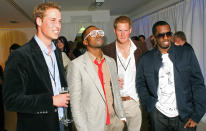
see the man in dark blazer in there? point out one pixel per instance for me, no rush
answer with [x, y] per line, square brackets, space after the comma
[34, 75]
[170, 84]
[126, 53]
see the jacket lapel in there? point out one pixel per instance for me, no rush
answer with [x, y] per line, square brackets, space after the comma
[40, 64]
[90, 69]
[137, 55]
[60, 67]
[113, 51]
[111, 69]
[172, 55]
[173, 58]
[157, 58]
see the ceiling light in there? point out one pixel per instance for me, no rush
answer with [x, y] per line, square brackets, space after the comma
[99, 3]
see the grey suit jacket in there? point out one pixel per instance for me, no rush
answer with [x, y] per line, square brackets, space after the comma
[88, 104]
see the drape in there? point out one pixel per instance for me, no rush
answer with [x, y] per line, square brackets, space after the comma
[173, 15]
[194, 27]
[10, 36]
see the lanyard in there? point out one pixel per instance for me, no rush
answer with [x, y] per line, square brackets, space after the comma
[125, 68]
[53, 64]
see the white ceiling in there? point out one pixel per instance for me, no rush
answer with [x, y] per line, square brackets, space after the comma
[21, 10]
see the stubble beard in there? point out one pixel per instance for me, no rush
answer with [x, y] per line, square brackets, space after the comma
[97, 45]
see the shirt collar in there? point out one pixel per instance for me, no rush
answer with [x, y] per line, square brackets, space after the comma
[93, 58]
[43, 46]
[133, 47]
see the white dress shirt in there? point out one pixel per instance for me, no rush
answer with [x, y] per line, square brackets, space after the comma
[127, 71]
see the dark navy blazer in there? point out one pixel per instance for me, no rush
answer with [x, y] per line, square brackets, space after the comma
[189, 81]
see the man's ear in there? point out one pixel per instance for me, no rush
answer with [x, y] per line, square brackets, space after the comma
[130, 30]
[85, 42]
[153, 36]
[38, 21]
[155, 39]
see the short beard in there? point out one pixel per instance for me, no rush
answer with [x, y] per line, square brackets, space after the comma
[95, 46]
[164, 47]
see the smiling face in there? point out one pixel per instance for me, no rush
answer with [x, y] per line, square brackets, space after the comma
[122, 32]
[49, 26]
[163, 42]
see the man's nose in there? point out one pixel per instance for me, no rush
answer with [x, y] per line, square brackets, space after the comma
[58, 24]
[165, 36]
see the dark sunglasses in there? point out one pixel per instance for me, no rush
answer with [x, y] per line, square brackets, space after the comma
[162, 35]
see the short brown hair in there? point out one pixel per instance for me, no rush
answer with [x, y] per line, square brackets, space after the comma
[122, 19]
[39, 10]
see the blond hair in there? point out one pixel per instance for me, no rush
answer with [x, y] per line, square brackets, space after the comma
[39, 10]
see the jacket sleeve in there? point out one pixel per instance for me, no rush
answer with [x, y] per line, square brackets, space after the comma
[198, 89]
[146, 99]
[119, 106]
[75, 88]
[17, 84]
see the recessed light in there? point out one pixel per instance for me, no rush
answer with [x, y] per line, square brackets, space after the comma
[14, 21]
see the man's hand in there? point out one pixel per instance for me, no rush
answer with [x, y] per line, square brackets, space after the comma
[123, 121]
[61, 100]
[121, 83]
[190, 123]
